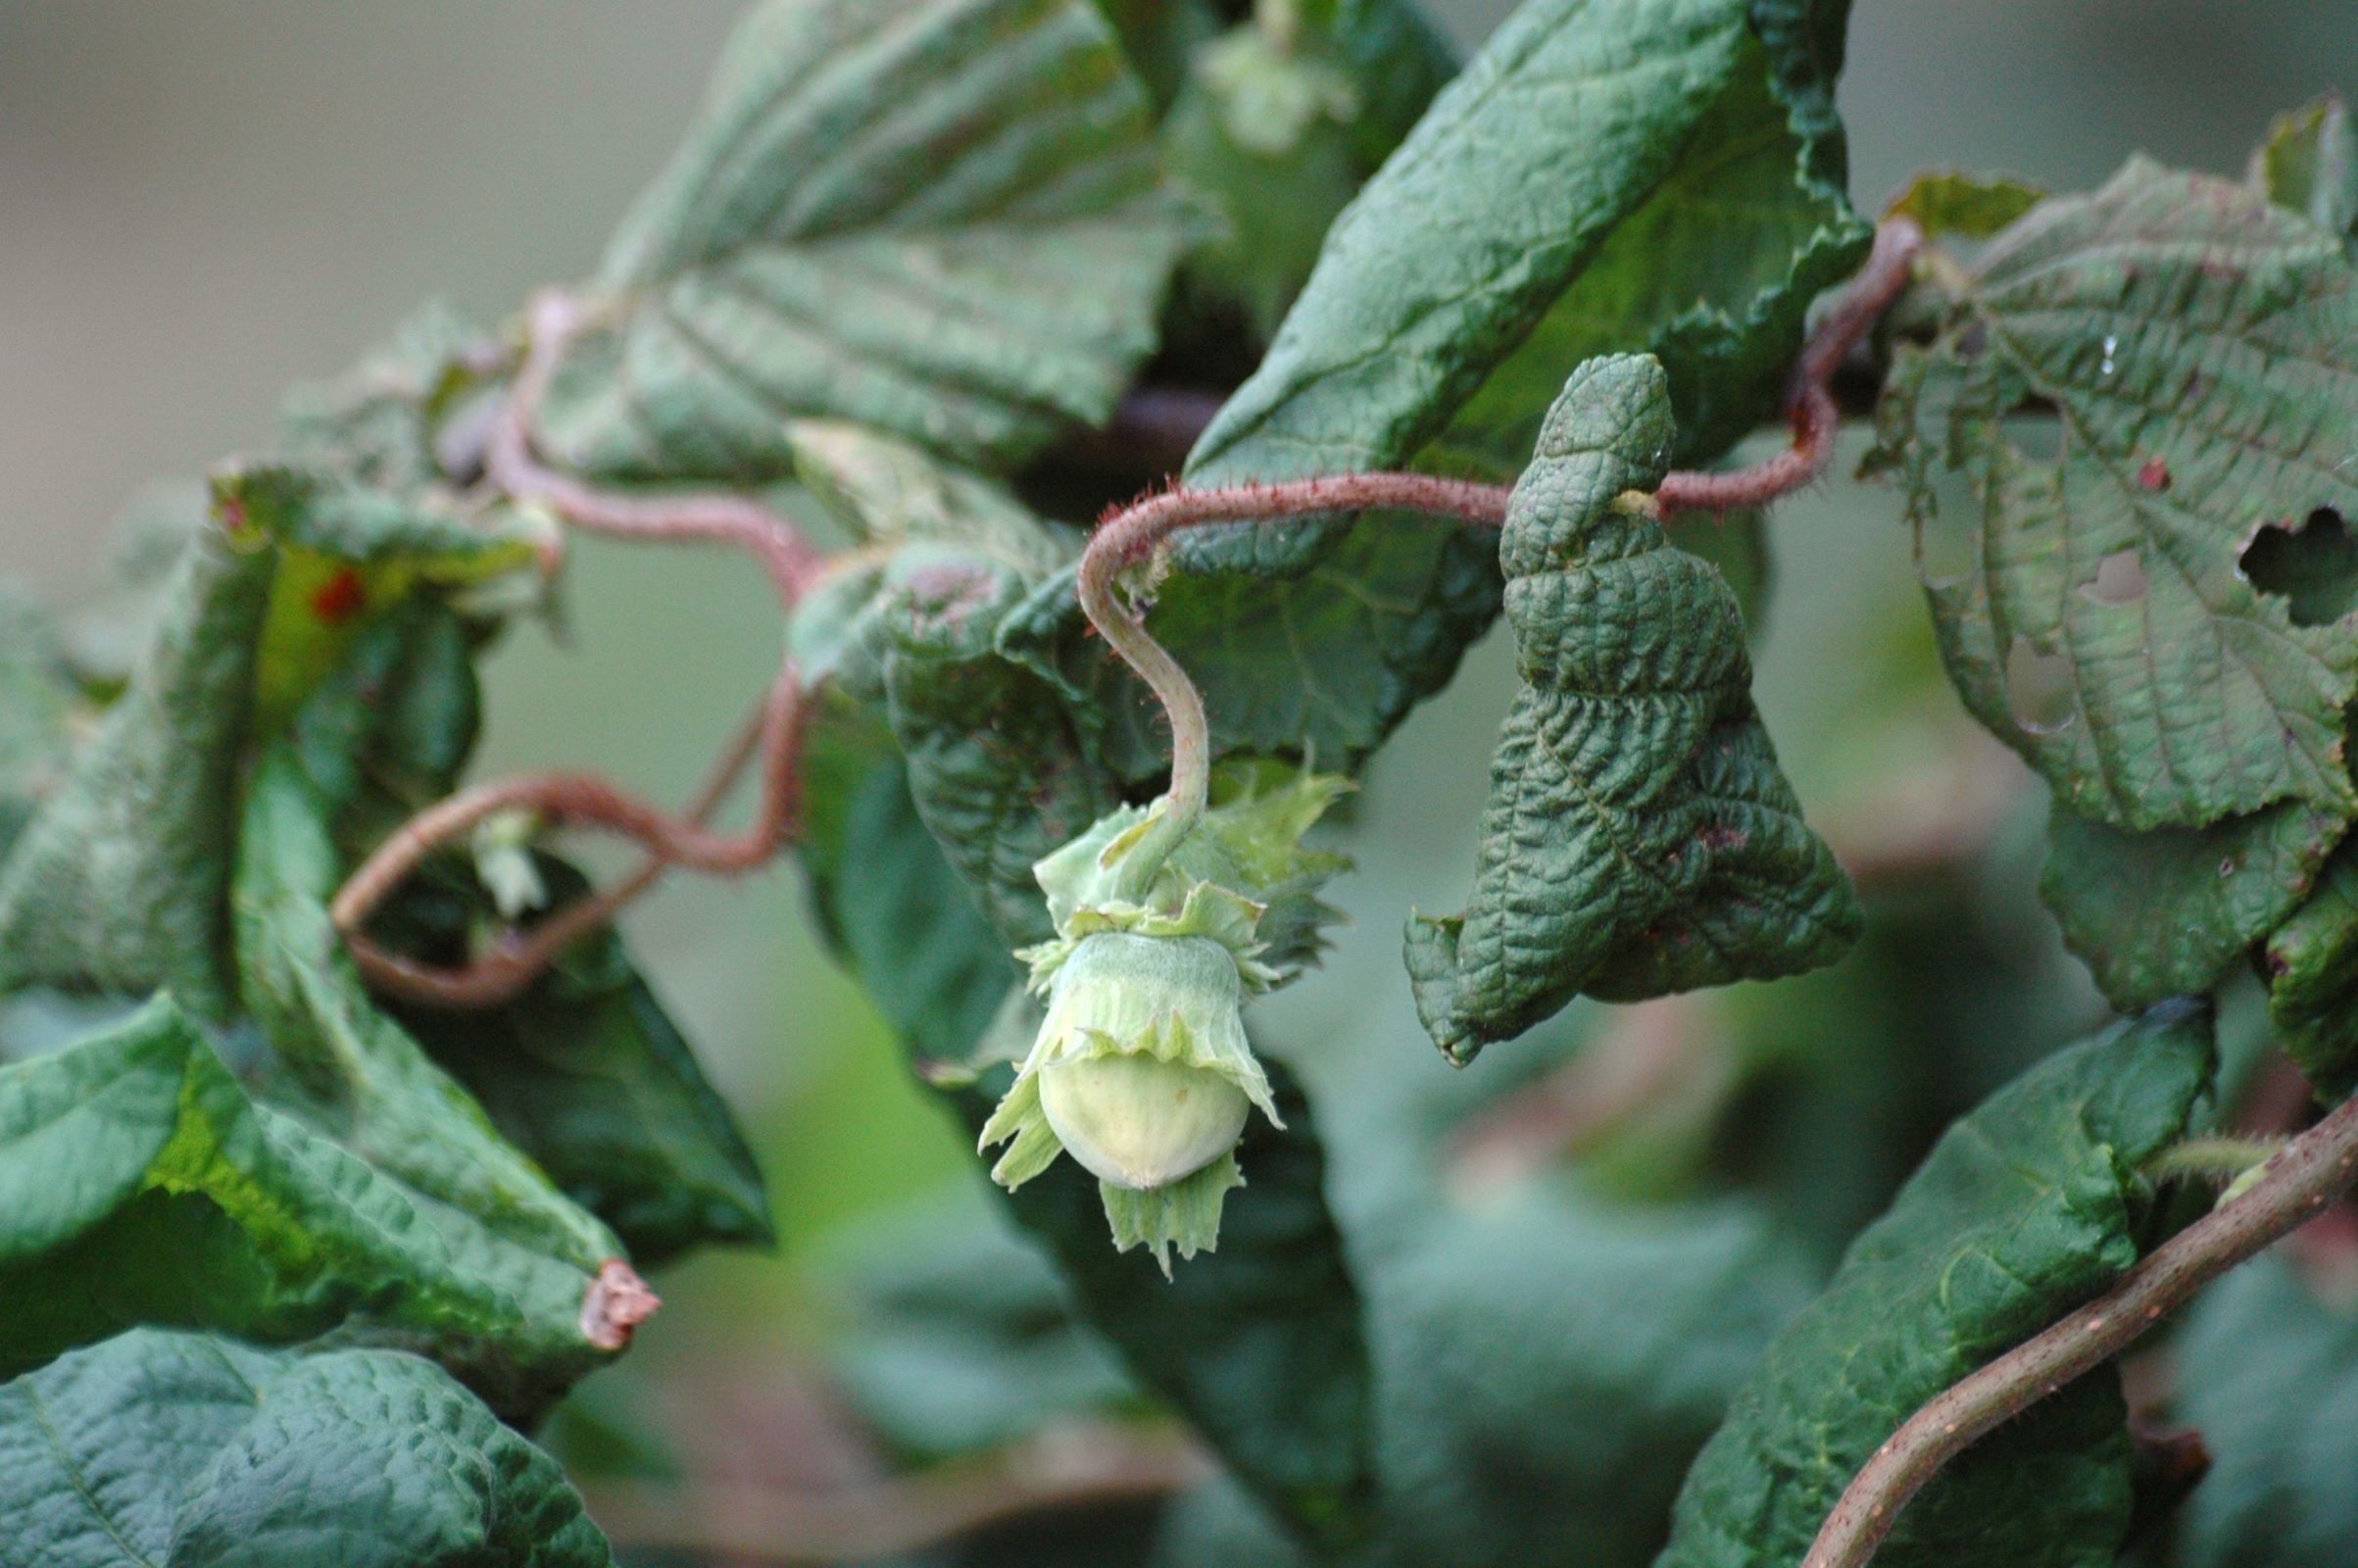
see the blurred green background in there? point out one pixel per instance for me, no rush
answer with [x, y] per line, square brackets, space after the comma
[205, 200]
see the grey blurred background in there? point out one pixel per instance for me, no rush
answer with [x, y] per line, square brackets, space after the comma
[202, 201]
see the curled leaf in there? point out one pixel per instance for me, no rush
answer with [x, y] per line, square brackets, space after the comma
[1640, 837]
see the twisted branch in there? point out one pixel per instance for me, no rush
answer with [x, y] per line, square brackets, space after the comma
[2295, 1187]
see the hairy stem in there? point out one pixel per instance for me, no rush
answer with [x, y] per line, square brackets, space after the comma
[2304, 1177]
[1129, 535]
[1809, 405]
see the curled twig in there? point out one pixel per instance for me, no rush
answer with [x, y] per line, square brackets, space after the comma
[514, 964]
[2295, 1187]
[584, 800]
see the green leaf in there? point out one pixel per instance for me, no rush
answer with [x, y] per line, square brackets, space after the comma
[351, 1072]
[141, 1183]
[1969, 206]
[887, 900]
[1549, 1369]
[939, 218]
[119, 884]
[583, 1072]
[36, 701]
[2166, 914]
[2309, 163]
[958, 1340]
[1640, 837]
[587, 1074]
[185, 1448]
[1687, 202]
[2026, 1208]
[1259, 1343]
[2198, 349]
[996, 765]
[997, 768]
[1494, 216]
[2311, 963]
[2268, 1373]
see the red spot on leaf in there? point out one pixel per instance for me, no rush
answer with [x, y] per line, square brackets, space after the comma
[340, 598]
[2154, 475]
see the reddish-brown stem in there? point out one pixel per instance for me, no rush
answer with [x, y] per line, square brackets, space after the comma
[521, 956]
[1128, 535]
[584, 800]
[2295, 1186]
[707, 518]
[1810, 405]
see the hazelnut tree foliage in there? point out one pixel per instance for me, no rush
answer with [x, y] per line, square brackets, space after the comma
[337, 1128]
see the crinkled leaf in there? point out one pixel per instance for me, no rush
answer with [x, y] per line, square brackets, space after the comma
[1969, 206]
[350, 1070]
[139, 1182]
[1259, 1343]
[2312, 967]
[1538, 213]
[939, 218]
[2198, 349]
[191, 1451]
[1640, 837]
[2309, 163]
[2166, 914]
[120, 883]
[2267, 1372]
[2025, 1209]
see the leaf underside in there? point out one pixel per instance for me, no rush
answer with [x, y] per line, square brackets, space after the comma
[942, 219]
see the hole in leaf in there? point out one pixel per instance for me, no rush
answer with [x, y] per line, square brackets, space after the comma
[2313, 569]
[2039, 688]
[1946, 540]
[2120, 580]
